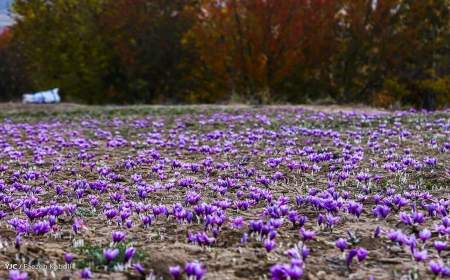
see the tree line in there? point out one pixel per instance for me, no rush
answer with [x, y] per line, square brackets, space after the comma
[379, 52]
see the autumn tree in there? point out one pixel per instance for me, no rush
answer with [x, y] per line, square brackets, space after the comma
[425, 69]
[254, 45]
[150, 62]
[63, 47]
[385, 46]
[14, 80]
[381, 52]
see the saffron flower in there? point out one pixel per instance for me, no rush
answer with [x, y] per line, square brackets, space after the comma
[307, 234]
[424, 234]
[139, 268]
[195, 270]
[110, 254]
[118, 236]
[68, 257]
[175, 272]
[41, 228]
[129, 253]
[439, 269]
[86, 273]
[440, 246]
[360, 253]
[420, 255]
[341, 244]
[17, 275]
[269, 244]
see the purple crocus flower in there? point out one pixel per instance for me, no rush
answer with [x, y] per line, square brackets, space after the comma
[129, 253]
[237, 222]
[269, 244]
[129, 223]
[446, 221]
[411, 241]
[440, 246]
[405, 218]
[68, 257]
[341, 244]
[17, 275]
[420, 255]
[280, 272]
[377, 232]
[305, 252]
[244, 238]
[41, 228]
[355, 209]
[139, 268]
[445, 271]
[256, 226]
[118, 236]
[78, 225]
[18, 241]
[195, 269]
[381, 211]
[424, 234]
[110, 254]
[331, 220]
[295, 272]
[435, 267]
[361, 254]
[146, 220]
[86, 273]
[418, 217]
[351, 254]
[111, 213]
[395, 236]
[175, 272]
[272, 234]
[286, 271]
[307, 234]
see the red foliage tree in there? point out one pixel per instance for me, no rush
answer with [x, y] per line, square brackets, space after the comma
[256, 44]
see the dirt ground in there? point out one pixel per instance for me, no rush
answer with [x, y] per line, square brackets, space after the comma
[13, 108]
[77, 147]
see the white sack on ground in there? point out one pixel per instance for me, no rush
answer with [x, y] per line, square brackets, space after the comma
[43, 97]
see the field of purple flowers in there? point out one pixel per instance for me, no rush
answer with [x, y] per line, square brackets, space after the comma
[224, 193]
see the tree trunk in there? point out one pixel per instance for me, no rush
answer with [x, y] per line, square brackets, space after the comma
[429, 101]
